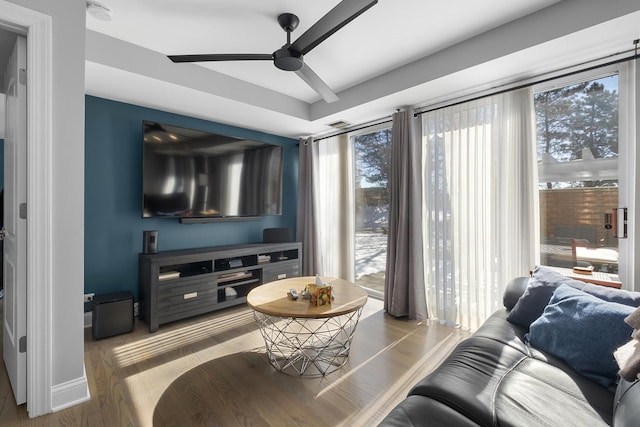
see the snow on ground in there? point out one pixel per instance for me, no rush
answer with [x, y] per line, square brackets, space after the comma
[372, 218]
[371, 253]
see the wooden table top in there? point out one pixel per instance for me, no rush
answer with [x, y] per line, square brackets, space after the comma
[271, 298]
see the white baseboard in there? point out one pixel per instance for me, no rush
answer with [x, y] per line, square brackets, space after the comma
[70, 393]
[88, 319]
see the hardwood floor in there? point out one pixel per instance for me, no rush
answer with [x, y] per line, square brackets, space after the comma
[212, 370]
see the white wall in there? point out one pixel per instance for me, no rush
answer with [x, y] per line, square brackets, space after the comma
[68, 47]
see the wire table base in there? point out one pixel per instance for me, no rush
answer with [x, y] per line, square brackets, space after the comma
[306, 346]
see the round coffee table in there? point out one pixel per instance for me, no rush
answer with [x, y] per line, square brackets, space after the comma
[302, 339]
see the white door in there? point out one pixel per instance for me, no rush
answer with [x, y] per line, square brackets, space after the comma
[15, 284]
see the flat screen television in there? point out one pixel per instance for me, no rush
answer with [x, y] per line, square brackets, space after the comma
[188, 173]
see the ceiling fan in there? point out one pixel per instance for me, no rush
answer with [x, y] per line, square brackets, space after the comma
[290, 56]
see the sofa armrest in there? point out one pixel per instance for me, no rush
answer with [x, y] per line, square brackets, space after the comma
[626, 411]
[515, 289]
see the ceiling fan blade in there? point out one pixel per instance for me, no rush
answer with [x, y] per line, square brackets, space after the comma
[344, 12]
[316, 83]
[222, 57]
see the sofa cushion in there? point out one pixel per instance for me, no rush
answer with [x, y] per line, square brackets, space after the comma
[536, 393]
[545, 281]
[467, 380]
[420, 411]
[584, 331]
[498, 329]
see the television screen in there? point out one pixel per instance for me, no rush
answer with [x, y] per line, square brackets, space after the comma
[188, 173]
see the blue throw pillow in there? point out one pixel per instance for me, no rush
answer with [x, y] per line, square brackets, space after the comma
[583, 331]
[545, 281]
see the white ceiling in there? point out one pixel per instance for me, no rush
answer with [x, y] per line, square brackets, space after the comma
[398, 53]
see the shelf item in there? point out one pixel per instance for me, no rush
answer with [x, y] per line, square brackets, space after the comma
[178, 284]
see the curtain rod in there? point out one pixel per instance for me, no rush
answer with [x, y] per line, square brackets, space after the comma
[384, 120]
[545, 80]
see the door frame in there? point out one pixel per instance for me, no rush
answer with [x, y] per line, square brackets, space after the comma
[629, 133]
[37, 27]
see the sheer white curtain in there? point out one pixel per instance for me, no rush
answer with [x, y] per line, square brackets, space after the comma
[334, 191]
[480, 204]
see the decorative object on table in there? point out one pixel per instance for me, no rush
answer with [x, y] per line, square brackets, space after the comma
[319, 293]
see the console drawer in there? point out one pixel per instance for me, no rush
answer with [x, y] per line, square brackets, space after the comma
[280, 270]
[188, 293]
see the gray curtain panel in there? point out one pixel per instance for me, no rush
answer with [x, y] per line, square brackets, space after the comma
[306, 224]
[405, 293]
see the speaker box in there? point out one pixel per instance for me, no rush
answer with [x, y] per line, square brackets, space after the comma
[276, 235]
[112, 314]
[150, 242]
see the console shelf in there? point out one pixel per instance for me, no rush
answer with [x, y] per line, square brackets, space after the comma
[183, 283]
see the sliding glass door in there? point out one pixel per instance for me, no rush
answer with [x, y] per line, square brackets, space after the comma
[578, 154]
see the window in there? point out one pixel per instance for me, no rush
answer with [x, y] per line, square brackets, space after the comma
[577, 144]
[372, 159]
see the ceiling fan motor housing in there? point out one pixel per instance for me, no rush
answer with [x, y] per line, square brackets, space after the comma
[288, 60]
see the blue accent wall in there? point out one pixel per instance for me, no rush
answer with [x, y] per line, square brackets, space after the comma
[113, 187]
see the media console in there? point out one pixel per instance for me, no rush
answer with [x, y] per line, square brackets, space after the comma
[183, 283]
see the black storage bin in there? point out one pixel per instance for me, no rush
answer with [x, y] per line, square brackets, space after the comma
[112, 314]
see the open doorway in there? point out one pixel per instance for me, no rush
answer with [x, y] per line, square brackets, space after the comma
[13, 283]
